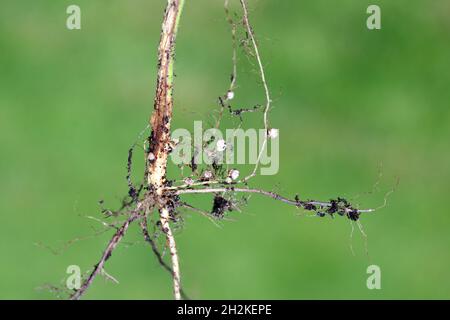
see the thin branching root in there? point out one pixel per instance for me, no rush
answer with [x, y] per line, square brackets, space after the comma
[158, 204]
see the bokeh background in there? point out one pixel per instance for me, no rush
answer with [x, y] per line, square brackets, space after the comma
[345, 99]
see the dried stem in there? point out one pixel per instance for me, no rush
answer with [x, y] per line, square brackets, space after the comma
[160, 123]
[162, 114]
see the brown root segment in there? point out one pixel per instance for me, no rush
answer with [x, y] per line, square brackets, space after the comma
[163, 104]
[159, 141]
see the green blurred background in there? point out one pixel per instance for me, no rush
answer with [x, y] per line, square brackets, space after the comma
[345, 98]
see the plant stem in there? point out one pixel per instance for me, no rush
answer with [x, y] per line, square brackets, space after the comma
[160, 123]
